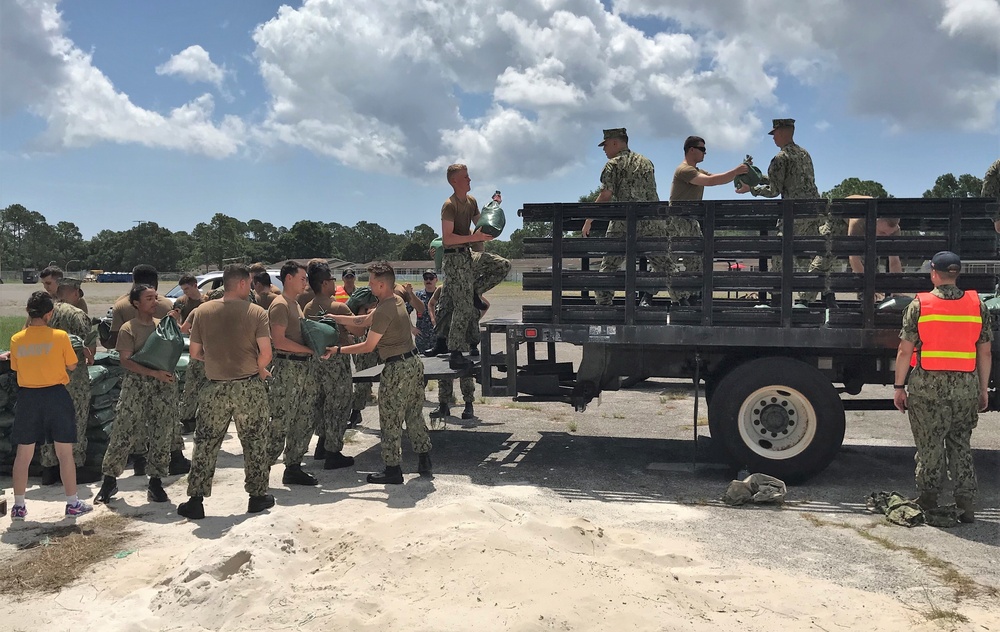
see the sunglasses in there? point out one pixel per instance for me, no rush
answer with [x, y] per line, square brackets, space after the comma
[702, 149]
[430, 278]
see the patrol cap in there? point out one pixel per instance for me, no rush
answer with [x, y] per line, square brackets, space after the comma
[73, 283]
[430, 273]
[348, 272]
[779, 123]
[946, 261]
[617, 132]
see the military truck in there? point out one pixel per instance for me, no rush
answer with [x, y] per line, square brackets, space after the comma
[774, 372]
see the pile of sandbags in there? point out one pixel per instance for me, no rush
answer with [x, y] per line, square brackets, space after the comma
[8, 399]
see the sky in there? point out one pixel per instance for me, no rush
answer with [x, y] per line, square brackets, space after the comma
[119, 111]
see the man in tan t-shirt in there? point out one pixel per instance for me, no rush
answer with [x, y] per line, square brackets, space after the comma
[401, 386]
[294, 391]
[232, 337]
[689, 185]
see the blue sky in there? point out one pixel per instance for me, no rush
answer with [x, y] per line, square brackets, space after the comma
[336, 111]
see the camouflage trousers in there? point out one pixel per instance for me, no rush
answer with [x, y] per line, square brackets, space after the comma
[401, 400]
[333, 404]
[79, 391]
[446, 390]
[293, 404]
[611, 263]
[194, 382]
[816, 227]
[681, 227]
[442, 319]
[943, 412]
[467, 273]
[363, 390]
[146, 412]
[245, 402]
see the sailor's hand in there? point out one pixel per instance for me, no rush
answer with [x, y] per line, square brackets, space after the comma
[741, 168]
[743, 189]
[585, 231]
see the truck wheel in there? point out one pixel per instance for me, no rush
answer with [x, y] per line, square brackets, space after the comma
[778, 416]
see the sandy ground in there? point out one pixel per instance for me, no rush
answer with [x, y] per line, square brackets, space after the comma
[537, 518]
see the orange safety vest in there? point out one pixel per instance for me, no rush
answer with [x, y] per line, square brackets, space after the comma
[341, 296]
[949, 331]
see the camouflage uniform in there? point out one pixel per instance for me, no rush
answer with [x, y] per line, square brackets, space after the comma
[631, 178]
[75, 322]
[146, 412]
[333, 405]
[425, 337]
[245, 402]
[446, 390]
[293, 404]
[791, 175]
[943, 409]
[402, 399]
[363, 390]
[681, 227]
[991, 182]
[194, 382]
[467, 272]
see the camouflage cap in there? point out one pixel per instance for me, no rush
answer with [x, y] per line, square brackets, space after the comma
[73, 283]
[946, 261]
[779, 123]
[348, 272]
[617, 132]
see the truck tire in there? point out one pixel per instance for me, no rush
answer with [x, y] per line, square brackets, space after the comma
[778, 416]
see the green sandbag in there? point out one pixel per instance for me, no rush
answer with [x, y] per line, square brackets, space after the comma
[107, 358]
[360, 298]
[438, 245]
[103, 387]
[77, 342]
[182, 362]
[97, 373]
[752, 178]
[6, 420]
[101, 417]
[6, 447]
[319, 335]
[102, 401]
[163, 348]
[491, 218]
[993, 304]
[4, 399]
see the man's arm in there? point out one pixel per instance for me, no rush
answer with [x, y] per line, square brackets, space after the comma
[984, 361]
[196, 351]
[705, 180]
[125, 359]
[775, 180]
[602, 197]
[264, 357]
[410, 297]
[362, 347]
[903, 356]
[281, 343]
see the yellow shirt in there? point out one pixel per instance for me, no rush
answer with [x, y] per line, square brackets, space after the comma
[40, 356]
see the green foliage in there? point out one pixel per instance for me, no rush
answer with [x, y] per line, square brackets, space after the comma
[9, 325]
[947, 185]
[590, 197]
[856, 186]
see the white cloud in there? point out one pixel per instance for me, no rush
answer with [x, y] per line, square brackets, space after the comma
[193, 64]
[55, 80]
[979, 18]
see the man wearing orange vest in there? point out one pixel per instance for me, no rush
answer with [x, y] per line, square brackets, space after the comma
[946, 339]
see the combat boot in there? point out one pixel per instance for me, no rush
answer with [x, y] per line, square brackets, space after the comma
[155, 492]
[441, 412]
[474, 351]
[193, 508]
[108, 489]
[927, 500]
[187, 426]
[320, 452]
[258, 504]
[138, 465]
[424, 463]
[50, 475]
[355, 419]
[468, 413]
[179, 464]
[392, 475]
[968, 514]
[337, 460]
[295, 475]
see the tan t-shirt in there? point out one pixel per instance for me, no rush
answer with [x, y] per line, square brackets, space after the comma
[228, 333]
[681, 190]
[461, 214]
[305, 297]
[265, 300]
[392, 321]
[122, 312]
[282, 314]
[186, 305]
[134, 334]
[326, 305]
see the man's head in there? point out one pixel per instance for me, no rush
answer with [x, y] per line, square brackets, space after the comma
[50, 279]
[430, 280]
[236, 278]
[143, 299]
[69, 290]
[293, 277]
[615, 140]
[694, 149]
[40, 305]
[146, 275]
[321, 279]
[945, 267]
[262, 282]
[189, 284]
[257, 268]
[782, 130]
[349, 276]
[458, 178]
[381, 279]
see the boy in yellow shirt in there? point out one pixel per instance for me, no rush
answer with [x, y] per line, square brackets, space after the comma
[42, 358]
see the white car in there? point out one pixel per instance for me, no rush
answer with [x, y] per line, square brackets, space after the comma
[213, 280]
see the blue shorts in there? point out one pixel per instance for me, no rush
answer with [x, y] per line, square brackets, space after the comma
[44, 415]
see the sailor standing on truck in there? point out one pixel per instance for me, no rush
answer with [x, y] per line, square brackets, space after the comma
[627, 177]
[991, 188]
[689, 185]
[791, 176]
[946, 338]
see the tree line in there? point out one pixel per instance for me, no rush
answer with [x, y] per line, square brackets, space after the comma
[27, 240]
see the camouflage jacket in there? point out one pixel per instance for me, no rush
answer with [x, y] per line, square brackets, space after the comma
[72, 320]
[991, 181]
[630, 177]
[912, 315]
[790, 175]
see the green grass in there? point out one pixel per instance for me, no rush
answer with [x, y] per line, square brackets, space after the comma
[9, 325]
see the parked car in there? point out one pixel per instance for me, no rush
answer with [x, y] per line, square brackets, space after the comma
[212, 280]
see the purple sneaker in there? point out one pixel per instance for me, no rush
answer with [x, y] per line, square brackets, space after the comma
[78, 509]
[18, 512]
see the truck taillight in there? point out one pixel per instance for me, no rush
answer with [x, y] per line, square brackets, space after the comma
[530, 332]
